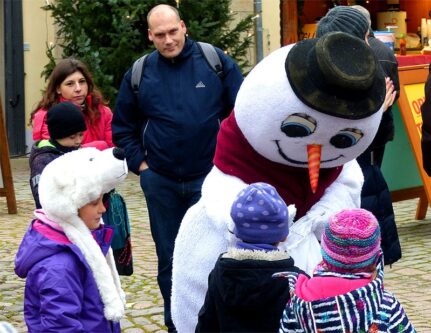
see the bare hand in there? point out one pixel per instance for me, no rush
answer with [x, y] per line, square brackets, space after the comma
[390, 94]
[143, 166]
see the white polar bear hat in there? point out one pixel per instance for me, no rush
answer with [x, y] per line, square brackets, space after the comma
[322, 110]
[67, 184]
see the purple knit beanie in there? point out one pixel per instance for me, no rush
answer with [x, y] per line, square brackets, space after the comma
[260, 215]
[351, 241]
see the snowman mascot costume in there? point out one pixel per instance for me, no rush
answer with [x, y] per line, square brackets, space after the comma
[315, 105]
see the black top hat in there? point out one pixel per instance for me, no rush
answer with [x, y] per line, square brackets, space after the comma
[337, 74]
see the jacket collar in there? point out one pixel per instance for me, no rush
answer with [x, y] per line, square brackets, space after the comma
[53, 231]
[185, 52]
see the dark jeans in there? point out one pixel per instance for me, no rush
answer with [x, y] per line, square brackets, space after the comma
[167, 203]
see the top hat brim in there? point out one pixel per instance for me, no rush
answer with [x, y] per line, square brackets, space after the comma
[348, 83]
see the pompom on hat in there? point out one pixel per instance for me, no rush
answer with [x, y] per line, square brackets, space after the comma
[260, 215]
[65, 119]
[351, 242]
[345, 19]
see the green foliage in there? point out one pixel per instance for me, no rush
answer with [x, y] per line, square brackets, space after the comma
[51, 64]
[108, 35]
[210, 21]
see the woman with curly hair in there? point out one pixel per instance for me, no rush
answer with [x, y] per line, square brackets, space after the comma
[71, 81]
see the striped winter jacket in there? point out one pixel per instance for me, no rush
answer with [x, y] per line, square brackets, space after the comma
[366, 309]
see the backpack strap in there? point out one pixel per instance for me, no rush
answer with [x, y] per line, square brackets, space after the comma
[137, 72]
[212, 57]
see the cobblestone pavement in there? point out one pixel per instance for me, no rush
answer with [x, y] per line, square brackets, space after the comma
[409, 279]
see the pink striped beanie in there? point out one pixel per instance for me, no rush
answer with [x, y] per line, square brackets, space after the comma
[351, 241]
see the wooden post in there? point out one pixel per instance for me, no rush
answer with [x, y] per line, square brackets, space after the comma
[412, 95]
[7, 190]
[289, 21]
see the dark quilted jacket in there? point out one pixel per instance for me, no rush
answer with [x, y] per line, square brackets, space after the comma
[42, 153]
[376, 198]
[242, 296]
[40, 157]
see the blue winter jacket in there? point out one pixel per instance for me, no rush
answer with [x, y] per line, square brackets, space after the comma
[61, 294]
[173, 123]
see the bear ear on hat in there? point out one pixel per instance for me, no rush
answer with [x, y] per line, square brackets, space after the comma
[55, 182]
[62, 177]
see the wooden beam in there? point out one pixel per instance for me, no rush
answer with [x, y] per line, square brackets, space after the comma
[289, 21]
[412, 193]
[6, 171]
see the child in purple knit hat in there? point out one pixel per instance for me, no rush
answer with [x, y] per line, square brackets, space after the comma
[242, 296]
[261, 218]
[345, 293]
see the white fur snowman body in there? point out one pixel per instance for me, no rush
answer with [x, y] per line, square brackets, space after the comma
[278, 126]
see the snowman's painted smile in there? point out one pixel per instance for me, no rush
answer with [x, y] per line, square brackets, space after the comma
[288, 159]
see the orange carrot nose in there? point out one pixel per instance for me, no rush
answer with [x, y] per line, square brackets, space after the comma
[314, 153]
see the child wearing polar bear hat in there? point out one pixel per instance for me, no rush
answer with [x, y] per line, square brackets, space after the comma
[301, 117]
[242, 296]
[72, 284]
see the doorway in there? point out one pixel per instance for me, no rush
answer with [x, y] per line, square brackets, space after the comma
[12, 74]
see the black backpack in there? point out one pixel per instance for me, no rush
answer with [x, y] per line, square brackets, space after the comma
[209, 52]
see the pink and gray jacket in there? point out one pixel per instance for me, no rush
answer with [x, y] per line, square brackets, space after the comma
[336, 302]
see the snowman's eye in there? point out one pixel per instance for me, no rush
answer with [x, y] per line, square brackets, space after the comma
[346, 138]
[298, 125]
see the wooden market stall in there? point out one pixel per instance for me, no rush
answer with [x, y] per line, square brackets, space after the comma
[402, 164]
[6, 185]
[407, 15]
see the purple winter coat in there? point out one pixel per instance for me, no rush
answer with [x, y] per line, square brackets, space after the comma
[61, 294]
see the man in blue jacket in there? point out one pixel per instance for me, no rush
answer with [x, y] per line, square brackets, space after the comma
[168, 129]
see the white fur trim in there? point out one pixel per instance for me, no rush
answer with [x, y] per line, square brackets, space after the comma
[245, 254]
[102, 272]
[115, 276]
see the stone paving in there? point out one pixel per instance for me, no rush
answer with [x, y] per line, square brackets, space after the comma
[409, 279]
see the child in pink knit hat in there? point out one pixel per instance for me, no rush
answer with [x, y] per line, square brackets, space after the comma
[351, 242]
[345, 293]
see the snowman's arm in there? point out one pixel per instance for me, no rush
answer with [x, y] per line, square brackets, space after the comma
[343, 193]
